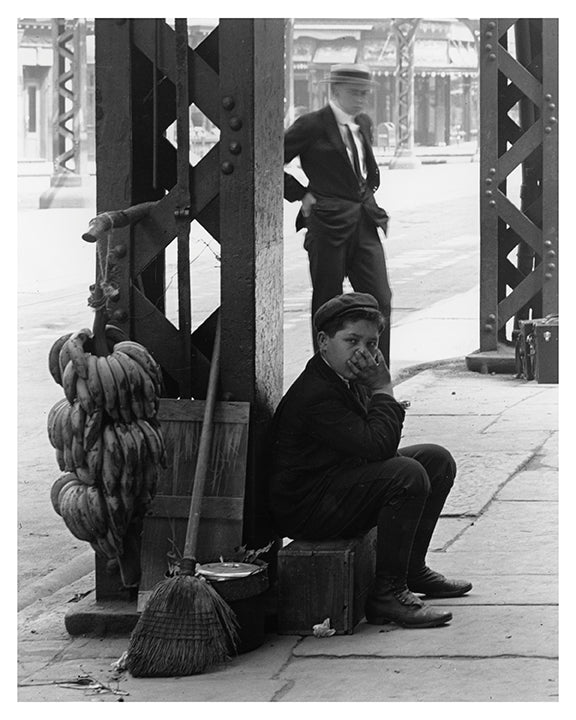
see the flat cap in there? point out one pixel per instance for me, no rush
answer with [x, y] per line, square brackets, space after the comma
[341, 305]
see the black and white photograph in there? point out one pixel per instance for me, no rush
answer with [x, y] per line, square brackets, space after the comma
[287, 360]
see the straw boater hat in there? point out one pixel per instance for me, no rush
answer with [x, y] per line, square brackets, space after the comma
[351, 73]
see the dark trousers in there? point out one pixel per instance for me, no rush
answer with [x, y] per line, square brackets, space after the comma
[361, 259]
[402, 496]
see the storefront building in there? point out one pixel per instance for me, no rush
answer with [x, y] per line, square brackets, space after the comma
[35, 94]
[445, 73]
[445, 77]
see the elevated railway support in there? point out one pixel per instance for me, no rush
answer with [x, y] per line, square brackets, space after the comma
[518, 183]
[68, 183]
[147, 77]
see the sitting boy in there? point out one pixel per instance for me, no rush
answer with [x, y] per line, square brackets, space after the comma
[337, 470]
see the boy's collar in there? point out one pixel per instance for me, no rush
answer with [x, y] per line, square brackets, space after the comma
[344, 380]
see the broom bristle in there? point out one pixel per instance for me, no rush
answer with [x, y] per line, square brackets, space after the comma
[185, 629]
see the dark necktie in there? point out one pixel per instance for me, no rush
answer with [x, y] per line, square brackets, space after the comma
[353, 148]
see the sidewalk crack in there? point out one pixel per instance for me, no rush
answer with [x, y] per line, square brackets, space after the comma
[284, 690]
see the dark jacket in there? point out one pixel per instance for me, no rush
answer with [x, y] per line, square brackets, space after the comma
[316, 139]
[319, 426]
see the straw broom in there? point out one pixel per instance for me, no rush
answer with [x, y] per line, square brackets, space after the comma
[186, 626]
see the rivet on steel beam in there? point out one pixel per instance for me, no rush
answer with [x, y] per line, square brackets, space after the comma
[551, 254]
[489, 193]
[235, 123]
[488, 47]
[488, 34]
[551, 266]
[492, 56]
[120, 315]
[235, 148]
[547, 243]
[547, 129]
[488, 181]
[548, 276]
[553, 120]
[492, 203]
[552, 106]
[227, 168]
[492, 171]
[492, 317]
[547, 96]
[488, 328]
[228, 102]
[491, 24]
[182, 213]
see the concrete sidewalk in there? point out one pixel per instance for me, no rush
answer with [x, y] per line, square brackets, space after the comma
[499, 529]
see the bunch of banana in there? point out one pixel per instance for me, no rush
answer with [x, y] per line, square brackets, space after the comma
[131, 456]
[82, 342]
[107, 439]
[126, 384]
[83, 509]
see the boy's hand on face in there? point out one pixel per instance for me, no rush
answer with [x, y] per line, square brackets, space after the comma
[371, 371]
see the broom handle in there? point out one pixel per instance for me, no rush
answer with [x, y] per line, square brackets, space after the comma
[203, 452]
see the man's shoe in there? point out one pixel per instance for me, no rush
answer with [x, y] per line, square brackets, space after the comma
[398, 605]
[432, 584]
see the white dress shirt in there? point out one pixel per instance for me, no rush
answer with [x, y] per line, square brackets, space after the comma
[344, 119]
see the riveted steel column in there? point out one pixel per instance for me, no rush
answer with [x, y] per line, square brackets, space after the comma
[251, 161]
[114, 191]
[489, 119]
[69, 140]
[114, 152]
[528, 44]
[519, 103]
[550, 168]
[404, 157]
[62, 77]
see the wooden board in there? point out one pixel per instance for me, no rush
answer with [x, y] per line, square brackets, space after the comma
[223, 505]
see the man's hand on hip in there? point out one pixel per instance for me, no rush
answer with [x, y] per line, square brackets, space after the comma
[307, 201]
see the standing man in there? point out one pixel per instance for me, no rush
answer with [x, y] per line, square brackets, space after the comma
[339, 212]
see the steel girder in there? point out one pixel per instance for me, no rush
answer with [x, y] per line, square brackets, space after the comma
[518, 176]
[69, 152]
[147, 77]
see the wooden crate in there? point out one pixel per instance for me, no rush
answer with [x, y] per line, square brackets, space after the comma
[324, 579]
[223, 505]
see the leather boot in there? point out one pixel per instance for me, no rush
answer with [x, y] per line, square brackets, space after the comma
[391, 601]
[432, 584]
